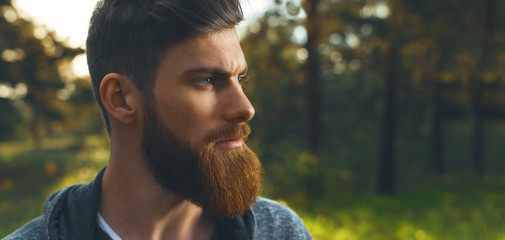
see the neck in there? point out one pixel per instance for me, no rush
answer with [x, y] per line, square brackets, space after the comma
[136, 206]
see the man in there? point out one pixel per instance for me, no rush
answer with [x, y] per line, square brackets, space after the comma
[168, 75]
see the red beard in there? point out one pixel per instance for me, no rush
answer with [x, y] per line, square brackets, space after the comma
[223, 182]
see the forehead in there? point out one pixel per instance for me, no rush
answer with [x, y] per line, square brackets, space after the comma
[212, 50]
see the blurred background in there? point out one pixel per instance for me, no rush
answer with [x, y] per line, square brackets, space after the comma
[374, 119]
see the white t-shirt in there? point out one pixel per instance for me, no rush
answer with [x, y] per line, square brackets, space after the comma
[106, 228]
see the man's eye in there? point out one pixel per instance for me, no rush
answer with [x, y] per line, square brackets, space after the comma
[205, 81]
[242, 80]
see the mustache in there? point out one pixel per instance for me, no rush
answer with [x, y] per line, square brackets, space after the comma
[241, 131]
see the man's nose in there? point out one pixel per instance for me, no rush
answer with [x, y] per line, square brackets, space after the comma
[238, 108]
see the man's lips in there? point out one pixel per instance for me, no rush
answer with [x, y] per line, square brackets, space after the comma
[230, 143]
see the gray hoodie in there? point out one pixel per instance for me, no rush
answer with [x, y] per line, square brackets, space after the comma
[71, 213]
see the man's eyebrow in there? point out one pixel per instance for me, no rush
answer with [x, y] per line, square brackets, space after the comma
[214, 71]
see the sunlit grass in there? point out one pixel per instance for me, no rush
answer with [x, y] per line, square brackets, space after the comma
[415, 215]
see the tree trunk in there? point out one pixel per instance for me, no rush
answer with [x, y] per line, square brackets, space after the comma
[477, 90]
[477, 136]
[386, 168]
[437, 146]
[314, 183]
[313, 78]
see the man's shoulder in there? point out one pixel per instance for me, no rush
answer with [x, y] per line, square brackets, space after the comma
[33, 230]
[277, 221]
[37, 228]
[267, 208]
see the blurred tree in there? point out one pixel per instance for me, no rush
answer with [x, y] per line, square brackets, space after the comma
[32, 74]
[427, 56]
[276, 90]
[393, 89]
[477, 83]
[312, 26]
[386, 174]
[280, 42]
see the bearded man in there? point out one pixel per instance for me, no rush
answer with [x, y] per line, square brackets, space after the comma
[168, 76]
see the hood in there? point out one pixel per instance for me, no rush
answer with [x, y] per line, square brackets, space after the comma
[70, 213]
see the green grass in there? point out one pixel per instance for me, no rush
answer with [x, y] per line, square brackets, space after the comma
[29, 175]
[442, 209]
[429, 212]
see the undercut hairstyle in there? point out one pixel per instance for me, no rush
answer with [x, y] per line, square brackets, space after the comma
[129, 37]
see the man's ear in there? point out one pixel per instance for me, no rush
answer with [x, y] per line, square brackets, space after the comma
[119, 97]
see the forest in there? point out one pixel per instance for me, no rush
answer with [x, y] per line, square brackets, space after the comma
[375, 119]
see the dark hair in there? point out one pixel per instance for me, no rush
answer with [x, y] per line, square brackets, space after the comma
[130, 36]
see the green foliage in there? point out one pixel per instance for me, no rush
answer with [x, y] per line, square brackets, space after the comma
[38, 92]
[7, 119]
